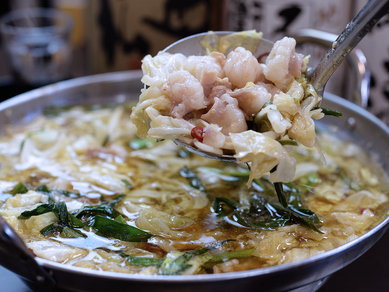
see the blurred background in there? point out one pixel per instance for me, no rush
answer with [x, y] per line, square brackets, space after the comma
[114, 35]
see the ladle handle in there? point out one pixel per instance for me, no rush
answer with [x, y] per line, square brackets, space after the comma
[17, 258]
[356, 60]
[373, 11]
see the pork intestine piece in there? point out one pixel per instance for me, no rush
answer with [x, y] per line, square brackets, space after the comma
[252, 98]
[283, 63]
[206, 69]
[186, 93]
[242, 67]
[220, 87]
[226, 113]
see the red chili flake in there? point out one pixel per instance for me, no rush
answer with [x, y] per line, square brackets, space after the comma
[197, 133]
[261, 56]
[361, 210]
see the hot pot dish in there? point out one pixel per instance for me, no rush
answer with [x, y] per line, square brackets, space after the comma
[83, 190]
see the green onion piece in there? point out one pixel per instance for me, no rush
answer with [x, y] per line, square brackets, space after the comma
[106, 140]
[61, 211]
[352, 185]
[329, 112]
[192, 178]
[280, 194]
[220, 202]
[75, 222]
[267, 104]
[313, 178]
[141, 261]
[102, 209]
[307, 218]
[50, 229]
[303, 216]
[67, 193]
[260, 183]
[128, 184]
[41, 209]
[265, 215]
[293, 194]
[179, 265]
[167, 266]
[43, 188]
[270, 224]
[221, 257]
[121, 219]
[66, 221]
[27, 137]
[117, 200]
[142, 143]
[112, 228]
[183, 153]
[288, 142]
[19, 189]
[71, 233]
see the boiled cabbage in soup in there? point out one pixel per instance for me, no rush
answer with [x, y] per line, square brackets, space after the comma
[82, 189]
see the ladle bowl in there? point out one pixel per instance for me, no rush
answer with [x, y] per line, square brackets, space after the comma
[354, 32]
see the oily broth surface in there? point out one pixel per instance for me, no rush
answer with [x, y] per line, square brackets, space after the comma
[89, 152]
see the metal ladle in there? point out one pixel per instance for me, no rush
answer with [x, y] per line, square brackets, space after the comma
[354, 32]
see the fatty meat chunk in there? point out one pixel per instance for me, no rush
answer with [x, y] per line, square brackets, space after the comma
[283, 63]
[271, 88]
[186, 93]
[242, 67]
[226, 114]
[207, 69]
[251, 99]
[221, 87]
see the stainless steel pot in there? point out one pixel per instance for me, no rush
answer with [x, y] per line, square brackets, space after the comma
[356, 124]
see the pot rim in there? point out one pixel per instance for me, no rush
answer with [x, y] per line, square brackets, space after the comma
[125, 75]
[136, 74]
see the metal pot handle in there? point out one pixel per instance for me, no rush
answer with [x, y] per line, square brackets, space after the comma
[17, 258]
[356, 60]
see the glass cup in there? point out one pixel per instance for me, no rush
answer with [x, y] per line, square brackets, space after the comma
[36, 41]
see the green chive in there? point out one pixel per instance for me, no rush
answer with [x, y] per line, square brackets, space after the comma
[221, 257]
[19, 189]
[112, 228]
